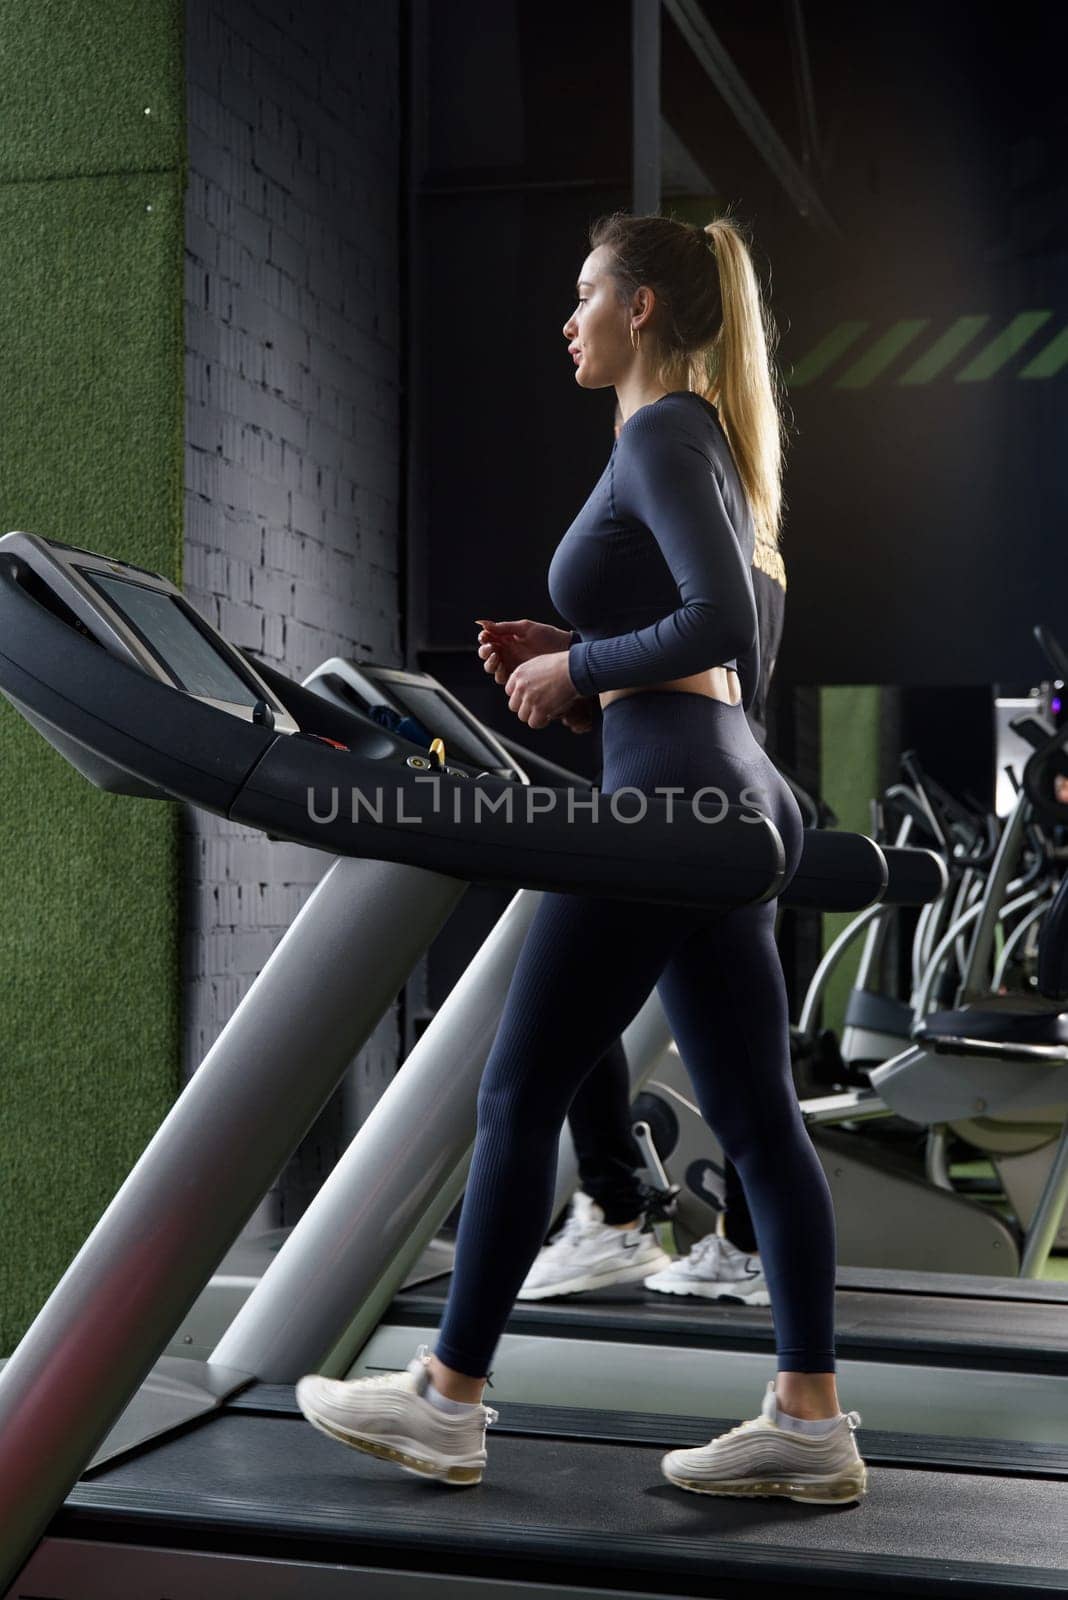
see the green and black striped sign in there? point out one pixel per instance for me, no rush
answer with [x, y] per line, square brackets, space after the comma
[914, 351]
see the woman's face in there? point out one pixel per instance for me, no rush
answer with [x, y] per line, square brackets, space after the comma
[597, 330]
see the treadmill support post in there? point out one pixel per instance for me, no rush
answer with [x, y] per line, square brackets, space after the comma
[395, 1184]
[325, 1292]
[316, 1002]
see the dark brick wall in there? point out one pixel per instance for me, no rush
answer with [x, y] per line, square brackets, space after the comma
[293, 440]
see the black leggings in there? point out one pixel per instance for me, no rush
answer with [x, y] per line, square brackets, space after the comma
[586, 967]
[601, 1119]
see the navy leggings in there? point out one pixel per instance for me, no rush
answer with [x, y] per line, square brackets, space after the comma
[586, 967]
[601, 1119]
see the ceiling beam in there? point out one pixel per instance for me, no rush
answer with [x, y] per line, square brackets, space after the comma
[645, 106]
[707, 47]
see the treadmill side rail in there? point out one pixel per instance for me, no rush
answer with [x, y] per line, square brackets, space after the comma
[200, 1178]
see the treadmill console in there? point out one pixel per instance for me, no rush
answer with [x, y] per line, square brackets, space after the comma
[142, 618]
[416, 706]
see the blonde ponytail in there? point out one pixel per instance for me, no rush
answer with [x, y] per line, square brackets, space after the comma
[713, 333]
[736, 373]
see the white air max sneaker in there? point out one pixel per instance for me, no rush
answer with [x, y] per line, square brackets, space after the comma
[390, 1417]
[589, 1254]
[716, 1270]
[761, 1458]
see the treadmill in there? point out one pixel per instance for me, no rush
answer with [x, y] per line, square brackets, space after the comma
[127, 1475]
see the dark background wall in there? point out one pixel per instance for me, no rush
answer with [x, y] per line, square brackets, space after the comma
[927, 502]
[923, 498]
[525, 136]
[293, 544]
[922, 538]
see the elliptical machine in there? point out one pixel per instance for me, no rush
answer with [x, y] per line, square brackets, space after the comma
[903, 1066]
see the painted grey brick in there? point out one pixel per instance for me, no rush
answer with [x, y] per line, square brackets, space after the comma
[307, 646]
[272, 592]
[380, 551]
[202, 473]
[382, 590]
[203, 429]
[341, 532]
[321, 479]
[307, 514]
[202, 241]
[241, 537]
[288, 254]
[274, 639]
[285, 552]
[277, 904]
[233, 485]
[270, 501]
[241, 624]
[292, 400]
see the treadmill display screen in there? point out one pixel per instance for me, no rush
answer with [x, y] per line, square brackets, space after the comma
[439, 717]
[166, 626]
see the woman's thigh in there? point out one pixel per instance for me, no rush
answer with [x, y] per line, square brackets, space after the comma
[585, 969]
[725, 998]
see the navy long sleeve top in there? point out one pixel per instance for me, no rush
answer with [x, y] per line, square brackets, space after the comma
[653, 575]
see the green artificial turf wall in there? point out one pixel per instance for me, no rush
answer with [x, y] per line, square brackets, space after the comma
[91, 443]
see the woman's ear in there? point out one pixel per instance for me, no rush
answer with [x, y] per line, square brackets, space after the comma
[642, 304]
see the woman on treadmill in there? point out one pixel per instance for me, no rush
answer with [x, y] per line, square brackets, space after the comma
[654, 575]
[606, 1238]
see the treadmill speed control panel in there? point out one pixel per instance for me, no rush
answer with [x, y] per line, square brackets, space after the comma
[143, 618]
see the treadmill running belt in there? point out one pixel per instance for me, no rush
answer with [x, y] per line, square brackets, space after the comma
[560, 1511]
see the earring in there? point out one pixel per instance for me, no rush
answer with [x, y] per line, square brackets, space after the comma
[635, 337]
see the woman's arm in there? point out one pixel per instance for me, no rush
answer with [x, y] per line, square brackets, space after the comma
[668, 481]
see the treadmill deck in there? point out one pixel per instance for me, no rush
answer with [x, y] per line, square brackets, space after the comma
[587, 1510]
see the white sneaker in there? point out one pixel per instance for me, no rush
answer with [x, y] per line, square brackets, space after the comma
[716, 1270]
[390, 1417]
[590, 1254]
[761, 1458]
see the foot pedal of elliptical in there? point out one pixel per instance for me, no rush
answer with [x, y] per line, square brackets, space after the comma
[660, 1200]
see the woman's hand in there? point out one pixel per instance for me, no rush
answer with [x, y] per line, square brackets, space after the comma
[503, 645]
[579, 716]
[539, 690]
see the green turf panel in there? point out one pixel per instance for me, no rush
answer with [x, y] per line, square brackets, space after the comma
[91, 423]
[849, 778]
[78, 76]
[90, 325]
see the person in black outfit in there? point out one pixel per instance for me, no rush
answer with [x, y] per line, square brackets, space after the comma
[601, 1242]
[654, 576]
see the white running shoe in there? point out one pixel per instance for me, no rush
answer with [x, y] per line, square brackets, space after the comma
[716, 1270]
[590, 1254]
[390, 1417]
[761, 1458]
